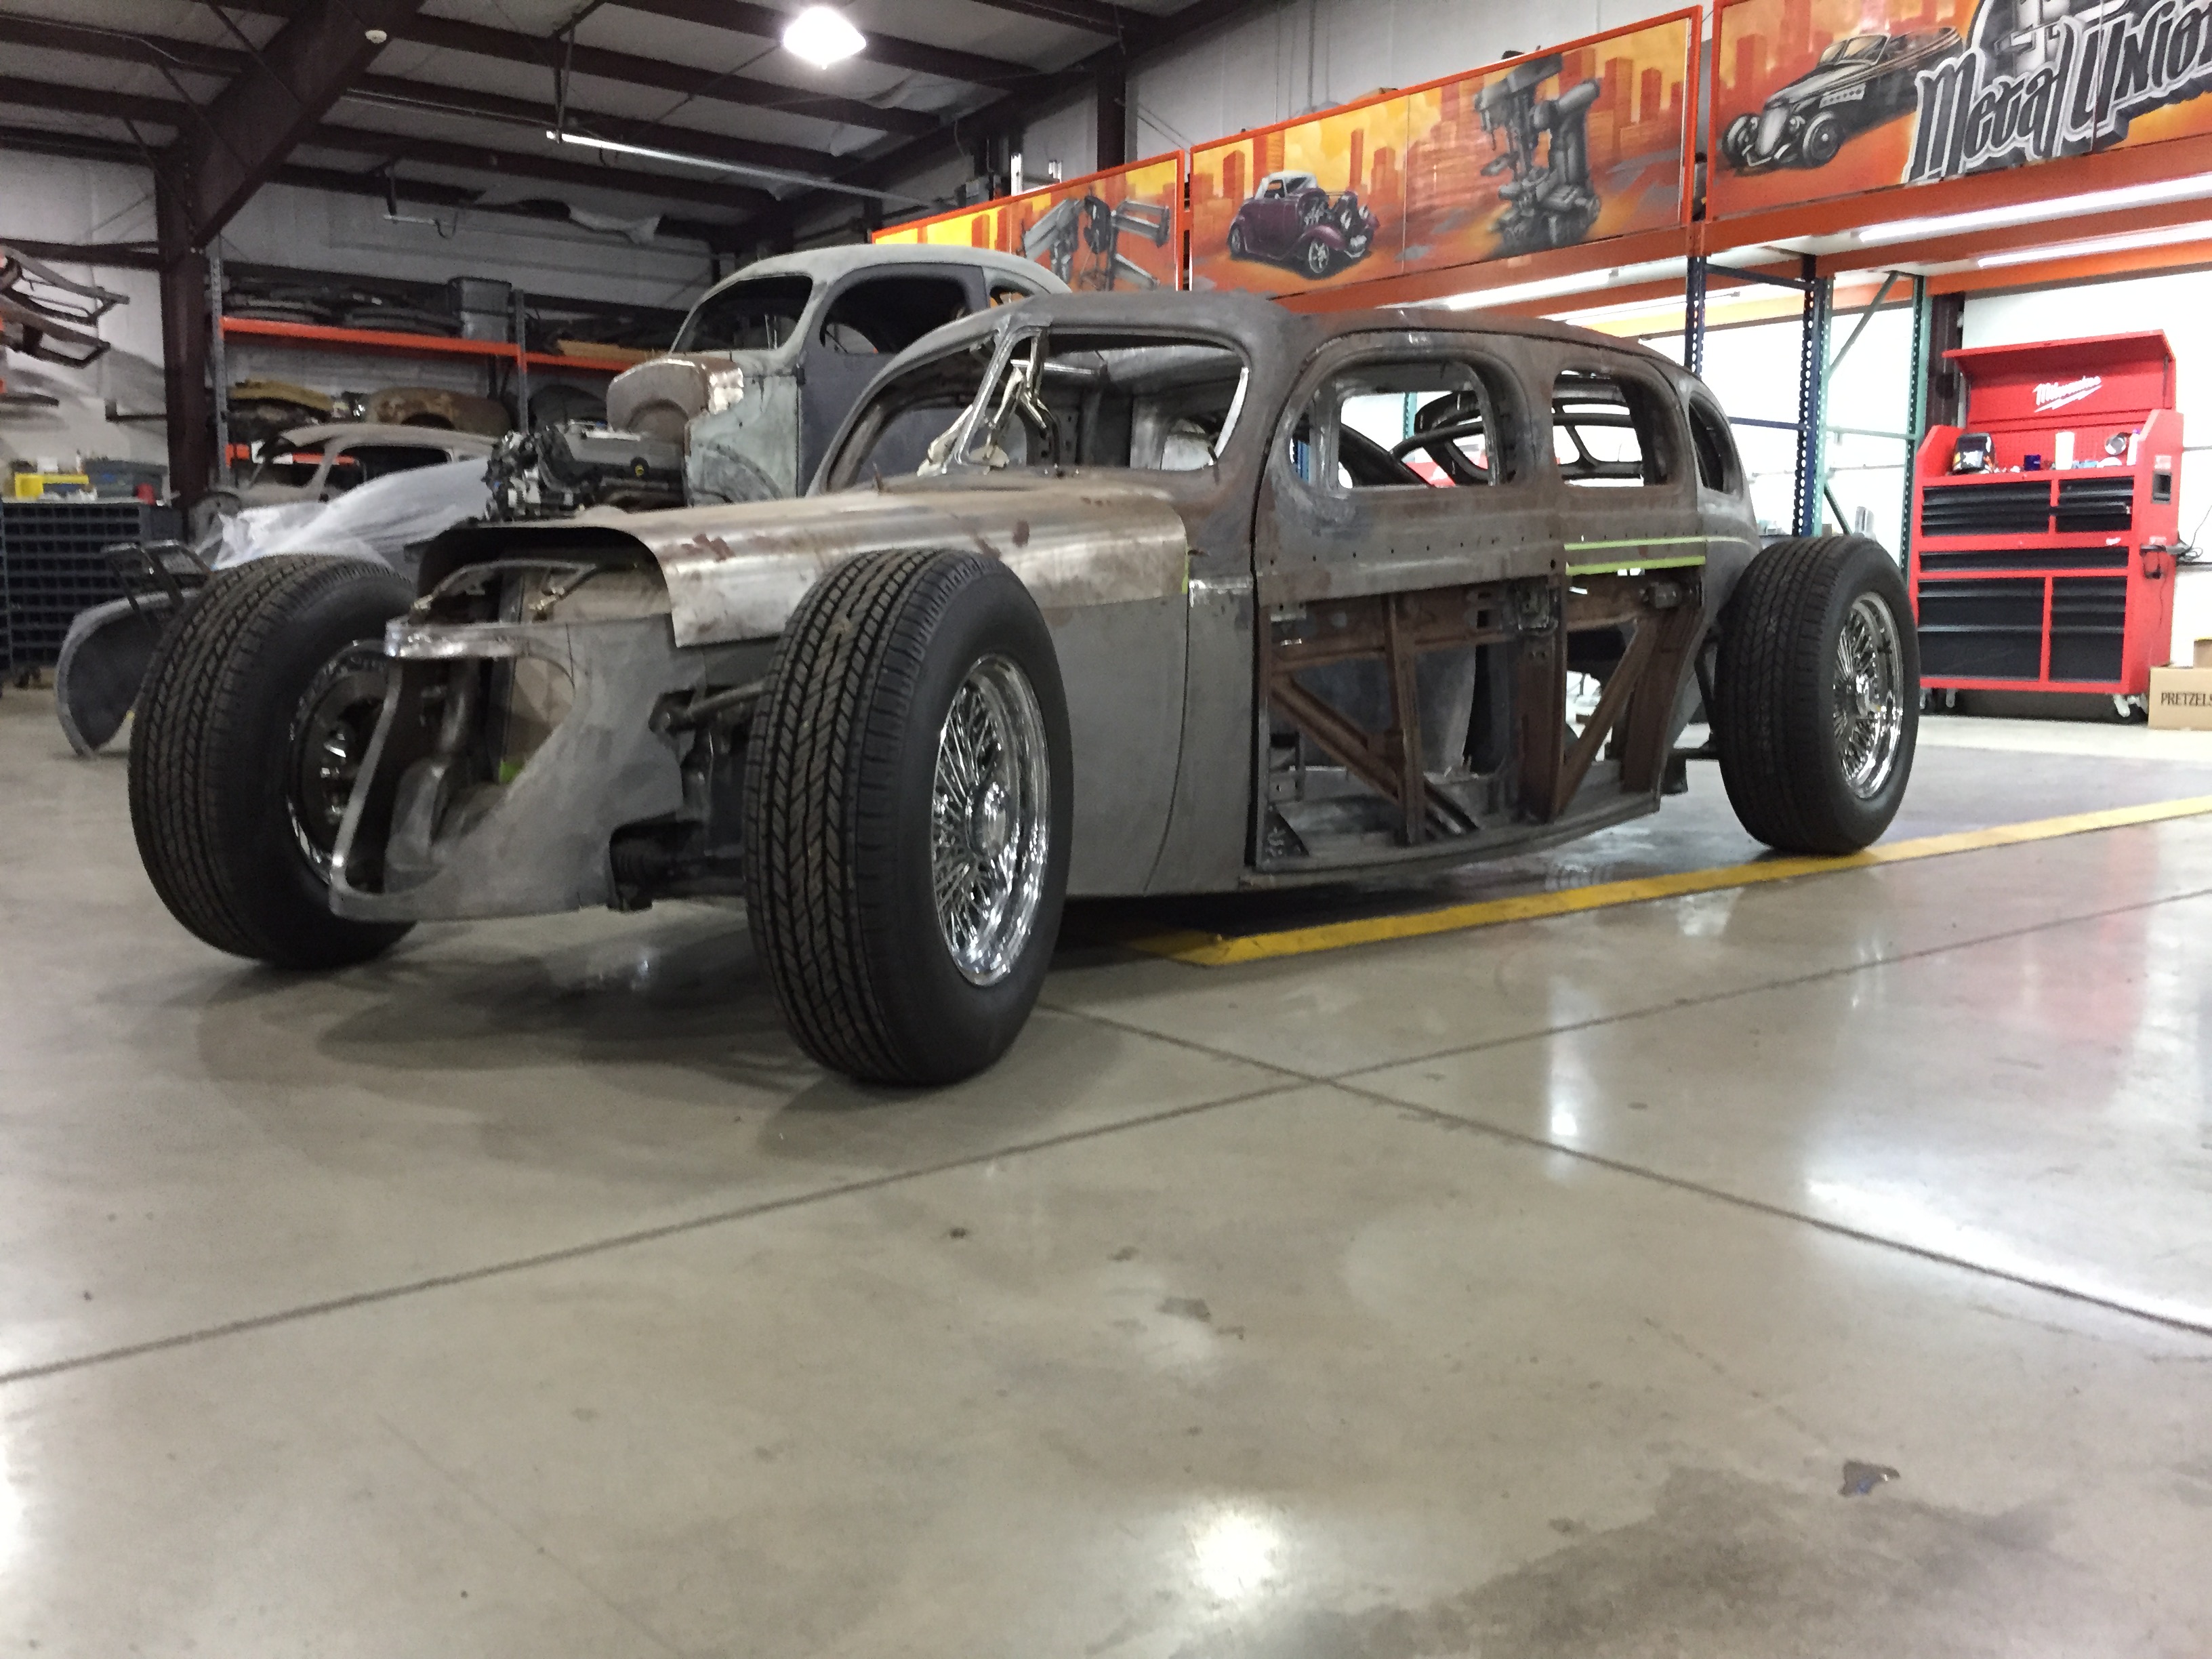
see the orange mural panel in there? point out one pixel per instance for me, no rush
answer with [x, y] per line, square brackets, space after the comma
[1572, 144]
[1115, 230]
[1819, 99]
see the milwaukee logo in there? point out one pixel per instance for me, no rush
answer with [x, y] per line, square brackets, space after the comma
[2056, 394]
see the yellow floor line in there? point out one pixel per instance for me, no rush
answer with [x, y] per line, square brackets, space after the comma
[1218, 951]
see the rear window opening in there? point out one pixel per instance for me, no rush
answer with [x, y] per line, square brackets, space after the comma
[1710, 436]
[1608, 431]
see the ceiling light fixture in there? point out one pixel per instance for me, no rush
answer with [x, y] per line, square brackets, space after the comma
[823, 37]
[2062, 207]
[2120, 243]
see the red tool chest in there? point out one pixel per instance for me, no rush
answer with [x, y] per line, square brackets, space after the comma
[2051, 568]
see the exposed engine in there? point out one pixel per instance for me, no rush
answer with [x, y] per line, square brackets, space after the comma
[557, 470]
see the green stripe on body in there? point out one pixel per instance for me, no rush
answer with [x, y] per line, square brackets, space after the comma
[1608, 566]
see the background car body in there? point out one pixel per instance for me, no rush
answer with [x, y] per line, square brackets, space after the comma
[315, 463]
[772, 359]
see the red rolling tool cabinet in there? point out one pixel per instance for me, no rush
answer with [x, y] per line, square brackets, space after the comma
[2042, 557]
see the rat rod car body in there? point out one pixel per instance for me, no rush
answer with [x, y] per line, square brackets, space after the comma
[1111, 594]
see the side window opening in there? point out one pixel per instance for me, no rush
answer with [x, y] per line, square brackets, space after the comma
[1425, 424]
[1154, 403]
[1709, 435]
[365, 463]
[884, 315]
[1608, 430]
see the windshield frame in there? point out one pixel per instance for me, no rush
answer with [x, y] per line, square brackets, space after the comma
[802, 320]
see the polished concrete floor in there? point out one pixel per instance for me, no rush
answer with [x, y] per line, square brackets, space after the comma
[1567, 1288]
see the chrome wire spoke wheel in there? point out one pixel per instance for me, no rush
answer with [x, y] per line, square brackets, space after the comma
[1869, 696]
[330, 734]
[990, 820]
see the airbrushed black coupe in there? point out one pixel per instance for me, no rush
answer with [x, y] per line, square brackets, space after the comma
[1859, 84]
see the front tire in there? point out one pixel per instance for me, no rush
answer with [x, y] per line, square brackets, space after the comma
[1822, 137]
[1817, 694]
[1318, 258]
[250, 728]
[1237, 245]
[908, 788]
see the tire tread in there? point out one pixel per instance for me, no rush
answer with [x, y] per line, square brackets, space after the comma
[195, 710]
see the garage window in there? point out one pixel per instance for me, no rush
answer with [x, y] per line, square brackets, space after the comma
[1425, 425]
[1609, 430]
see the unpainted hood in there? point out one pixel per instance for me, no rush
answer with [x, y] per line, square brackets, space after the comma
[736, 571]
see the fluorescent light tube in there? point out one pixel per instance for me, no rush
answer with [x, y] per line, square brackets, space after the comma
[2118, 243]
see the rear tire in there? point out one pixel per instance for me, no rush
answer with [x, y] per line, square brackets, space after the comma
[252, 710]
[1817, 694]
[858, 842]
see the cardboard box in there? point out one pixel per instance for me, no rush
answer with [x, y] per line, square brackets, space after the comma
[2204, 653]
[2181, 698]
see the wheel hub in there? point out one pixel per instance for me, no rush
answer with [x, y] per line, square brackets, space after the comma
[990, 823]
[330, 731]
[990, 817]
[1868, 697]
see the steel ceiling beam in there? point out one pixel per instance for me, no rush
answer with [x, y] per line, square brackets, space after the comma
[1087, 15]
[228, 149]
[41, 141]
[195, 57]
[712, 85]
[1105, 69]
[766, 23]
[393, 147]
[757, 21]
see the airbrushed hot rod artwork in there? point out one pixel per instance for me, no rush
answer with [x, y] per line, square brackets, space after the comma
[1097, 595]
[1859, 84]
[1291, 220]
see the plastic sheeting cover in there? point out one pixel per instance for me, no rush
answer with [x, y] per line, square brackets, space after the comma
[376, 520]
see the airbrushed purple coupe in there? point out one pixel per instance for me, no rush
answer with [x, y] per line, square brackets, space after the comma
[1290, 220]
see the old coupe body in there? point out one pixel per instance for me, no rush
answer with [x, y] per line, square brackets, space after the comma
[766, 366]
[1103, 595]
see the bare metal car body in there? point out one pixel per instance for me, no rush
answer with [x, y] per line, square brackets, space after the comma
[1275, 674]
[316, 463]
[712, 420]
